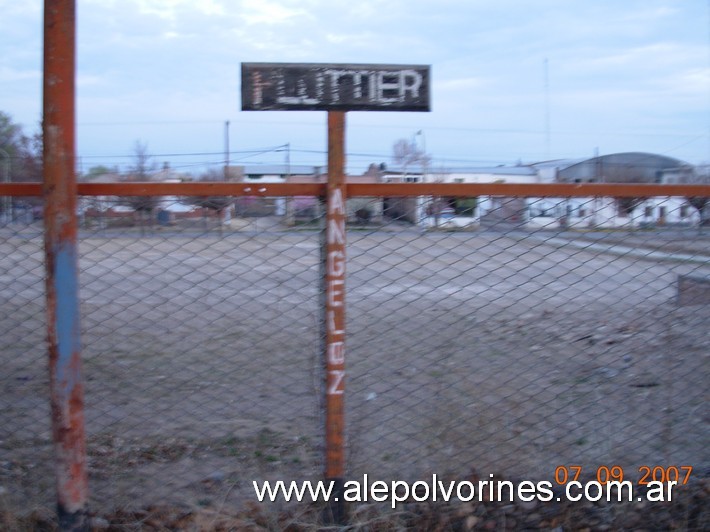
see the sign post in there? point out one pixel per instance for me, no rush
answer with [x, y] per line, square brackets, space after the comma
[336, 89]
[335, 315]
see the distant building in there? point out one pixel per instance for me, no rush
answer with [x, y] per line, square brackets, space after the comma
[469, 212]
[363, 210]
[260, 174]
[567, 212]
[632, 167]
[629, 168]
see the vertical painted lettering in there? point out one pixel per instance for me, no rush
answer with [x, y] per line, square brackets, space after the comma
[336, 353]
[336, 205]
[336, 233]
[335, 382]
[331, 327]
[336, 263]
[335, 293]
[334, 286]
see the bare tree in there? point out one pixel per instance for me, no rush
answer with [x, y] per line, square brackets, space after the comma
[437, 203]
[141, 161]
[406, 153]
[140, 171]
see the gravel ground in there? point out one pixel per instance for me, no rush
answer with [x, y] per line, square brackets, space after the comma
[489, 352]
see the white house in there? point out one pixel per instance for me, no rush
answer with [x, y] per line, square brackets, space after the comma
[632, 167]
[575, 213]
[470, 212]
[660, 211]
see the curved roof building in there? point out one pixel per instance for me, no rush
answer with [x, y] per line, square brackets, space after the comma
[631, 167]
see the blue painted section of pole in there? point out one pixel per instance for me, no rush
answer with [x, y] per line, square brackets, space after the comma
[67, 319]
[61, 261]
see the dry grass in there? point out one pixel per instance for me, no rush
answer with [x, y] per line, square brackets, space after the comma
[688, 511]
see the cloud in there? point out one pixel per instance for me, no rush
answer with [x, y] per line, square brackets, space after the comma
[459, 84]
[28, 8]
[693, 82]
[611, 64]
[364, 38]
[88, 80]
[166, 9]
[653, 56]
[9, 74]
[270, 12]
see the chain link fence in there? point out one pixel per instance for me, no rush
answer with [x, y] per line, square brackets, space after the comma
[514, 344]
[485, 335]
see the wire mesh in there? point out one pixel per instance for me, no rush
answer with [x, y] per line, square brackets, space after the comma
[518, 335]
[485, 335]
[25, 439]
[200, 351]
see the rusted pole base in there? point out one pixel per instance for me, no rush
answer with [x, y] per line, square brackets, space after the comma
[335, 511]
[73, 522]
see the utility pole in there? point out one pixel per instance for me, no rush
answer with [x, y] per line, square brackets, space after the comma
[288, 160]
[547, 109]
[226, 150]
[7, 202]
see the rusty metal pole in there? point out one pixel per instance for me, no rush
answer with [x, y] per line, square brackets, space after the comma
[335, 317]
[60, 223]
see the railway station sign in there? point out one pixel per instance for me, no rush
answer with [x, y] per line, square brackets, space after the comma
[334, 87]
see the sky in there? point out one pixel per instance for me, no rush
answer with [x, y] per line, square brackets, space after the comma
[512, 81]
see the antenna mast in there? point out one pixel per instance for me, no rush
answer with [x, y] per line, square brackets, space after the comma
[547, 109]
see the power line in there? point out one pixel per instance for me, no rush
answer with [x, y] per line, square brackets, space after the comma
[370, 125]
[187, 154]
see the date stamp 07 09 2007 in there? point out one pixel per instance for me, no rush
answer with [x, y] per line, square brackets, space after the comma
[643, 474]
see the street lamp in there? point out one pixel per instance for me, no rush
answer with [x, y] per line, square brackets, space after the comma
[226, 150]
[422, 157]
[420, 133]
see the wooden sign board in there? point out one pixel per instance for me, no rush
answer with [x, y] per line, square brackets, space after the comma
[334, 87]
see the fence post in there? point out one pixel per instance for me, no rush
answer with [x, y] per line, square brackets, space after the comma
[335, 216]
[61, 262]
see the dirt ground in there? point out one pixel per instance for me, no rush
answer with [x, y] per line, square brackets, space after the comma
[486, 352]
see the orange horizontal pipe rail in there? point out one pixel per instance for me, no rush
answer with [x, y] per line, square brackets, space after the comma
[373, 190]
[201, 189]
[175, 189]
[20, 189]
